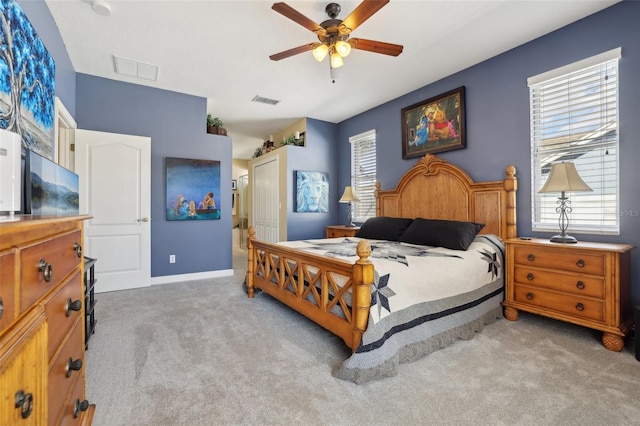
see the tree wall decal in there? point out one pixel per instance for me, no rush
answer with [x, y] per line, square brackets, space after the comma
[27, 80]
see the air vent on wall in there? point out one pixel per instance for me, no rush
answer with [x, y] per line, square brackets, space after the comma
[136, 68]
[262, 100]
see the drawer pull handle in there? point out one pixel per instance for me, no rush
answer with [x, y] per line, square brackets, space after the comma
[580, 263]
[79, 406]
[72, 306]
[46, 269]
[531, 257]
[530, 296]
[580, 285]
[24, 401]
[78, 249]
[73, 366]
[530, 276]
[1, 307]
[580, 307]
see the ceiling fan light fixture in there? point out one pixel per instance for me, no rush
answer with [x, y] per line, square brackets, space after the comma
[343, 48]
[320, 52]
[336, 60]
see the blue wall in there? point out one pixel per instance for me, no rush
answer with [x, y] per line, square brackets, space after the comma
[319, 155]
[497, 117]
[176, 124]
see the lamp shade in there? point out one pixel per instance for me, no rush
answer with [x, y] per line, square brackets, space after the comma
[564, 177]
[320, 52]
[336, 60]
[343, 48]
[349, 195]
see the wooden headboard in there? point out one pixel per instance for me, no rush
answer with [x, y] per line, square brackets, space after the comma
[435, 189]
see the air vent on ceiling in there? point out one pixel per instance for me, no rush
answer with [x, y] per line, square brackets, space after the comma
[262, 100]
[136, 68]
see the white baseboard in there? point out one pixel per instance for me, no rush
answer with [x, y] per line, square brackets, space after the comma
[169, 279]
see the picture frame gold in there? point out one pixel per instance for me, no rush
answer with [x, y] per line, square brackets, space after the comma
[434, 125]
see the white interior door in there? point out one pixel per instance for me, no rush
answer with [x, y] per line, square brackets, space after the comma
[115, 181]
[265, 200]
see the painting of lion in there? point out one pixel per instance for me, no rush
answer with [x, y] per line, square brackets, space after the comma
[312, 192]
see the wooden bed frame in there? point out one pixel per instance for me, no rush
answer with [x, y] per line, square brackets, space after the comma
[316, 286]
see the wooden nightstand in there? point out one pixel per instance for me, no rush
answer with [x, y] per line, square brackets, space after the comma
[336, 231]
[586, 284]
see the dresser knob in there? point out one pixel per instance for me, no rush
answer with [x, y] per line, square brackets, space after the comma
[530, 276]
[580, 285]
[530, 296]
[531, 257]
[580, 307]
[46, 269]
[24, 401]
[72, 306]
[79, 406]
[73, 366]
[78, 249]
[580, 263]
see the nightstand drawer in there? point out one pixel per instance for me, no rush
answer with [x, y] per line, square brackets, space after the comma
[337, 231]
[566, 283]
[571, 305]
[568, 261]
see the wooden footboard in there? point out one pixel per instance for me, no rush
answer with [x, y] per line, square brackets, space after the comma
[333, 293]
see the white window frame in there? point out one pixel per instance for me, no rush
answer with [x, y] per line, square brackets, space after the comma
[363, 175]
[574, 117]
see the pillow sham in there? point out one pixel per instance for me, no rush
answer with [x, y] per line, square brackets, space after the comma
[450, 234]
[384, 228]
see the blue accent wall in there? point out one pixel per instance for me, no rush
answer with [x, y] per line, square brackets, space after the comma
[319, 155]
[497, 117]
[176, 124]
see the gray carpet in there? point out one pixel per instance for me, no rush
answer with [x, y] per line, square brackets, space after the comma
[202, 353]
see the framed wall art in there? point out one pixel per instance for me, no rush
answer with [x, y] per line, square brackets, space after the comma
[434, 125]
[312, 192]
[27, 83]
[193, 189]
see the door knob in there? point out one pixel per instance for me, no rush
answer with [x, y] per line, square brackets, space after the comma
[144, 219]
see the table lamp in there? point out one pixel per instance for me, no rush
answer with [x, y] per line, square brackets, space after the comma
[349, 196]
[564, 178]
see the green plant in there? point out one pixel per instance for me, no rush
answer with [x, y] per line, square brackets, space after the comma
[258, 152]
[214, 121]
[289, 140]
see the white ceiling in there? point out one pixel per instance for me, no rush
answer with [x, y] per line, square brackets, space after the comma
[220, 50]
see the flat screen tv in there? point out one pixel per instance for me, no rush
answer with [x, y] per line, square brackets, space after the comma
[50, 189]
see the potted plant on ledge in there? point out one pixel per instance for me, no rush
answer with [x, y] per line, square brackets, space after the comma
[214, 126]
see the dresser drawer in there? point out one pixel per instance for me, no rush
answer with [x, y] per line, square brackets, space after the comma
[572, 305]
[7, 288]
[63, 372]
[568, 261]
[61, 312]
[566, 283]
[74, 412]
[45, 264]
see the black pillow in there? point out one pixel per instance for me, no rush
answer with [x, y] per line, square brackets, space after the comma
[384, 228]
[450, 234]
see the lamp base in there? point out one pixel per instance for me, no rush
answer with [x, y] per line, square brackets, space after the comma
[563, 239]
[350, 225]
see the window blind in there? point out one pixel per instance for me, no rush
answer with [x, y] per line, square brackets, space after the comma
[574, 118]
[363, 174]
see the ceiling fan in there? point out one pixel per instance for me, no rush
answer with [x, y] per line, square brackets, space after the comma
[333, 34]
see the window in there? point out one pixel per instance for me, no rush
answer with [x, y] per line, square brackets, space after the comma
[363, 174]
[574, 117]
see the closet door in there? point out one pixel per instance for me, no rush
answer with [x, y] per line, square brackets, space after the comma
[265, 200]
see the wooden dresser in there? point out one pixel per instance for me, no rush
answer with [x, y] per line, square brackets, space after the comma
[585, 283]
[336, 231]
[42, 379]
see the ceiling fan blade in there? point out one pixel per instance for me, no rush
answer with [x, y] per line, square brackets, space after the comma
[376, 46]
[294, 51]
[361, 13]
[289, 12]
